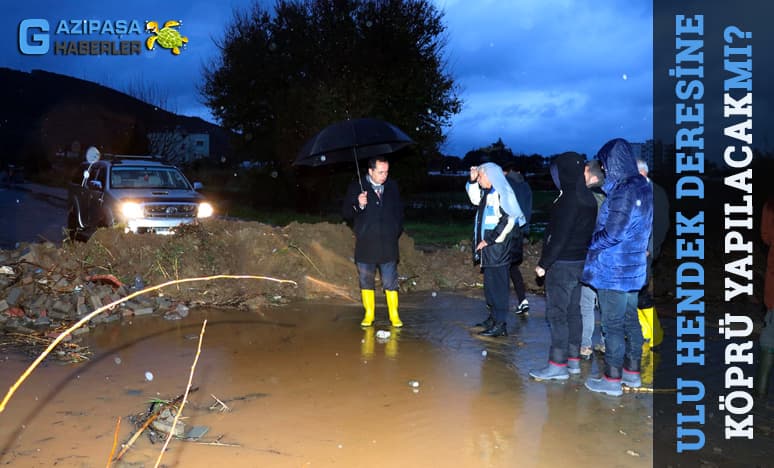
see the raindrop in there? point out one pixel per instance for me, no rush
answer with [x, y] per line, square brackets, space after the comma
[434, 294]
[625, 77]
[369, 23]
[429, 111]
[274, 174]
[117, 360]
[148, 376]
[484, 353]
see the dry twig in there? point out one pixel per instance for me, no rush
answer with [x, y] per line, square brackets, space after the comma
[307, 258]
[223, 407]
[115, 443]
[185, 396]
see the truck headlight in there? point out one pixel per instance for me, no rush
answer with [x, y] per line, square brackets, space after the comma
[131, 210]
[205, 210]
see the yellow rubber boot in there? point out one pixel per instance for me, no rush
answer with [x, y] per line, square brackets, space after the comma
[651, 327]
[647, 331]
[369, 304]
[392, 308]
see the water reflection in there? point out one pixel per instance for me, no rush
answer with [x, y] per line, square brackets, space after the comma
[333, 393]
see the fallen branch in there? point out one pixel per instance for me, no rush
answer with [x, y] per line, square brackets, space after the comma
[110, 306]
[307, 258]
[115, 443]
[223, 407]
[217, 444]
[185, 396]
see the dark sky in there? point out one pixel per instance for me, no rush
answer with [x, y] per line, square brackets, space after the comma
[545, 76]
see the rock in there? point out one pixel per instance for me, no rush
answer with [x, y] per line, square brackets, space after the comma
[42, 322]
[12, 298]
[165, 426]
[197, 432]
[82, 330]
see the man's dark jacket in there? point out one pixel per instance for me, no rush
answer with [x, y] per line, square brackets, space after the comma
[573, 214]
[378, 226]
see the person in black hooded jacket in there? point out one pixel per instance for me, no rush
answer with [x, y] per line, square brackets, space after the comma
[565, 245]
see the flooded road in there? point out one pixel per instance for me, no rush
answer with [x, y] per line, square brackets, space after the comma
[308, 387]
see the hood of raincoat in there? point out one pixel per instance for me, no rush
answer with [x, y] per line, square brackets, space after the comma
[618, 161]
[508, 199]
[567, 171]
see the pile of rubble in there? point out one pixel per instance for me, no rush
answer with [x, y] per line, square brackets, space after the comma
[38, 296]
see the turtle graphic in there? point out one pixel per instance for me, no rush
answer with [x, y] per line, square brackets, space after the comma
[167, 37]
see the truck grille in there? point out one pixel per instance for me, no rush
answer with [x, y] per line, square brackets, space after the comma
[170, 210]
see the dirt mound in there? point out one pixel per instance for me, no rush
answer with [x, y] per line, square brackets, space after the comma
[318, 257]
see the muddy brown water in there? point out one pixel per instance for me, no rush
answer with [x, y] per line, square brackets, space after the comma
[308, 387]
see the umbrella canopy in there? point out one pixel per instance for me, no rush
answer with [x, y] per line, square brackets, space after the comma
[350, 140]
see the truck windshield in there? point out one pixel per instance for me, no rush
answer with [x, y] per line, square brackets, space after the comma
[148, 177]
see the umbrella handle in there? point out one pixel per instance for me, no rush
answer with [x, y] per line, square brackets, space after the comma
[357, 168]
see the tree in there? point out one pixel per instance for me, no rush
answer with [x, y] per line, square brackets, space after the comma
[282, 77]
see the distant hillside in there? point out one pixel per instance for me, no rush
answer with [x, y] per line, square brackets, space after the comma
[44, 113]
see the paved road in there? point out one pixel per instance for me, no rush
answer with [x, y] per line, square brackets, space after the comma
[31, 213]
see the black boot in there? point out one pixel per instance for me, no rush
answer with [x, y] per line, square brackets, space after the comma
[487, 324]
[498, 329]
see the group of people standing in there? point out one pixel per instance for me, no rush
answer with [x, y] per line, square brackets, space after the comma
[596, 251]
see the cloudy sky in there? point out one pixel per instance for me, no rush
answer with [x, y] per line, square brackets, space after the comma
[546, 76]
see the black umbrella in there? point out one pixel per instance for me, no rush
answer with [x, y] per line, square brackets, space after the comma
[351, 139]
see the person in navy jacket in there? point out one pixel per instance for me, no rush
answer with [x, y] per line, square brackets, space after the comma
[616, 264]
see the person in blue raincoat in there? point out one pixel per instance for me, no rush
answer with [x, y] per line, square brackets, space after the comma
[616, 264]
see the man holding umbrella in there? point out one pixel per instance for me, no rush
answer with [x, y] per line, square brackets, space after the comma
[374, 206]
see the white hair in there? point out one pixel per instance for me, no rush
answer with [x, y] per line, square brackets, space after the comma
[642, 166]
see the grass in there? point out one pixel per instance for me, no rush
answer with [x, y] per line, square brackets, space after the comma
[439, 234]
[435, 233]
[436, 225]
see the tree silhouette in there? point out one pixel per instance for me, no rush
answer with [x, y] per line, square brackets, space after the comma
[282, 77]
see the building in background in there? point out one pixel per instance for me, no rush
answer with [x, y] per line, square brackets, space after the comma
[179, 146]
